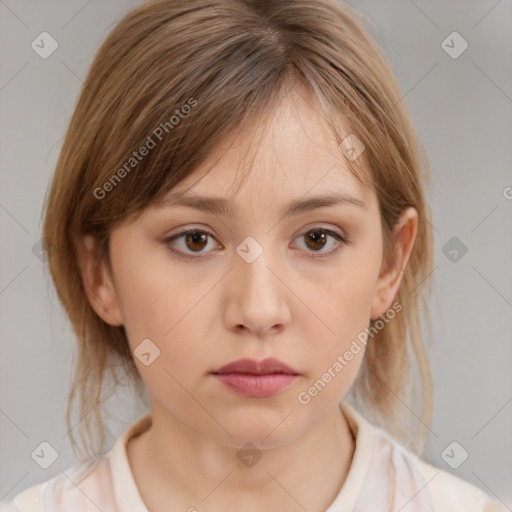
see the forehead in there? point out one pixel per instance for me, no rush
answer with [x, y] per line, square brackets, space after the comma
[285, 153]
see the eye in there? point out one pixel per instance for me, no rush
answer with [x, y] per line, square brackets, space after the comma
[194, 239]
[317, 238]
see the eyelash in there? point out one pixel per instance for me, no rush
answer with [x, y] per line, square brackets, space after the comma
[343, 242]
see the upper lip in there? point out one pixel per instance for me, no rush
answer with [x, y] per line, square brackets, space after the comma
[253, 367]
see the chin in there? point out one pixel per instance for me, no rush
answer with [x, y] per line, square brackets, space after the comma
[265, 430]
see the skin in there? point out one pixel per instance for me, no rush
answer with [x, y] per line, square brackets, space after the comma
[206, 312]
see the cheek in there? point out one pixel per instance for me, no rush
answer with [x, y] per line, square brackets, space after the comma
[150, 296]
[338, 332]
[341, 300]
[155, 306]
[178, 339]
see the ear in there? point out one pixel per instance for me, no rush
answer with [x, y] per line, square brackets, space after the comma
[388, 283]
[97, 281]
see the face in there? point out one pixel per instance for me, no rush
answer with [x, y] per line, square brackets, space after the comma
[255, 281]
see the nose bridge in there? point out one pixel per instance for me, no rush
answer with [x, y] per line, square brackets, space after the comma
[253, 271]
[258, 295]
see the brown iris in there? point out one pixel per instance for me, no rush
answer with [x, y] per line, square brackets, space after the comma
[317, 238]
[196, 240]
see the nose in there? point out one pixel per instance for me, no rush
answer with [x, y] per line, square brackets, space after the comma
[258, 296]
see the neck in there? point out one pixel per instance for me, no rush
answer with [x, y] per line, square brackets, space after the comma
[175, 465]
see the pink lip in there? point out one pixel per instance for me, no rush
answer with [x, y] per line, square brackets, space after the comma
[261, 379]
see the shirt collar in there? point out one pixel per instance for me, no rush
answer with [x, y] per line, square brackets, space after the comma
[364, 435]
[125, 489]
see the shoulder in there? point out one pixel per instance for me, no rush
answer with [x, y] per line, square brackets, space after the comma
[450, 492]
[446, 492]
[395, 478]
[103, 483]
[29, 500]
[80, 488]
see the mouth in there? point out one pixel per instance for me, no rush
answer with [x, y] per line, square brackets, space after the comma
[259, 379]
[252, 367]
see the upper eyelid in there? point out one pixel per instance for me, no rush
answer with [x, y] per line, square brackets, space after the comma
[186, 230]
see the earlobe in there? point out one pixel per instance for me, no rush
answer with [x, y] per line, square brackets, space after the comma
[388, 284]
[97, 281]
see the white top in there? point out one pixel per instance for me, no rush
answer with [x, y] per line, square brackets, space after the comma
[383, 477]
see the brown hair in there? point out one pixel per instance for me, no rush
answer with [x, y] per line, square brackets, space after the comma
[230, 61]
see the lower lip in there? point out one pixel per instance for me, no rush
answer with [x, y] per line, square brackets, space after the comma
[259, 386]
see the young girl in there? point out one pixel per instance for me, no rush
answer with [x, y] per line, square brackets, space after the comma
[237, 225]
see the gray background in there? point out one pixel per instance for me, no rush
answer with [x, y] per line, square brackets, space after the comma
[462, 108]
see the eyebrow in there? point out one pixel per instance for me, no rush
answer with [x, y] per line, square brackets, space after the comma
[221, 206]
